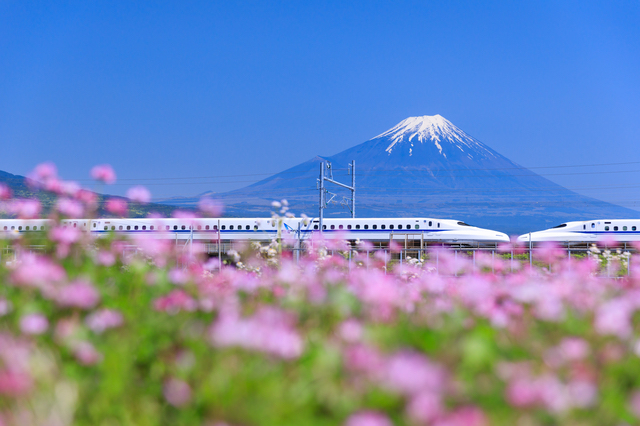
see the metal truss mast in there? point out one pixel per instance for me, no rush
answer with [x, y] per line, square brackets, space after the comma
[326, 175]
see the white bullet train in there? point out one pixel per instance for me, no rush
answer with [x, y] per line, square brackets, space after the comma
[265, 229]
[621, 230]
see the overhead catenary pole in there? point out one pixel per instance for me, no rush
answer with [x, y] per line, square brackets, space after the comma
[323, 191]
[321, 194]
[353, 190]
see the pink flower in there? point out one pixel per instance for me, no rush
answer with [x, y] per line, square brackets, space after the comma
[614, 317]
[573, 348]
[106, 258]
[522, 393]
[70, 208]
[350, 331]
[44, 172]
[104, 173]
[90, 199]
[174, 302]
[78, 294]
[26, 208]
[178, 276]
[211, 207]
[184, 214]
[65, 237]
[368, 418]
[425, 407]
[410, 373]
[104, 319]
[69, 188]
[269, 330]
[177, 392]
[86, 353]
[65, 234]
[5, 307]
[38, 271]
[465, 416]
[634, 403]
[5, 192]
[549, 252]
[116, 206]
[364, 359]
[34, 324]
[14, 382]
[139, 194]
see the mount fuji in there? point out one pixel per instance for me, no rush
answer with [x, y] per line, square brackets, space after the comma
[425, 166]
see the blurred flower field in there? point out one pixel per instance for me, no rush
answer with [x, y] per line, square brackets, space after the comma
[93, 333]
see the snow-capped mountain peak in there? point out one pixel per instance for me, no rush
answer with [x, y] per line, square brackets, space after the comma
[430, 128]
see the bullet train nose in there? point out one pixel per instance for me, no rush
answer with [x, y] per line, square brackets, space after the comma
[502, 237]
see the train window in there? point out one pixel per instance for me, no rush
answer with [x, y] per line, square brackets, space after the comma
[341, 227]
[144, 227]
[13, 227]
[19, 228]
[273, 224]
[333, 227]
[224, 227]
[375, 226]
[417, 226]
[584, 226]
[151, 227]
[113, 228]
[593, 225]
[438, 224]
[430, 223]
[230, 226]
[94, 225]
[366, 227]
[255, 227]
[383, 226]
[633, 228]
[606, 228]
[184, 227]
[128, 227]
[175, 227]
[357, 226]
[348, 226]
[206, 227]
[120, 227]
[215, 227]
[615, 228]
[624, 228]
[248, 227]
[400, 227]
[5, 228]
[324, 227]
[315, 226]
[135, 227]
[74, 224]
[106, 227]
[26, 228]
[390, 226]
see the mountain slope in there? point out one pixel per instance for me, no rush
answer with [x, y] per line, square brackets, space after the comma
[20, 189]
[426, 166]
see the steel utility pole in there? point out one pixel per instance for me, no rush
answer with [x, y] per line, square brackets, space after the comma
[323, 191]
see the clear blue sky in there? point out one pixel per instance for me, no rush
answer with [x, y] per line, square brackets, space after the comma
[190, 89]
